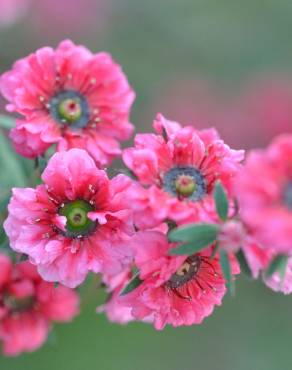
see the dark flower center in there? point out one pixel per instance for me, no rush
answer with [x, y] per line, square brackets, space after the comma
[18, 304]
[287, 195]
[78, 223]
[185, 273]
[186, 182]
[70, 108]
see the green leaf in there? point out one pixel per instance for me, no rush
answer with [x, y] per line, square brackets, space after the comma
[282, 270]
[226, 269]
[194, 237]
[133, 284]
[6, 122]
[244, 267]
[279, 264]
[200, 232]
[221, 201]
[186, 249]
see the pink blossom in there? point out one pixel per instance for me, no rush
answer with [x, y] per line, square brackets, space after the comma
[70, 97]
[176, 290]
[178, 173]
[113, 308]
[77, 221]
[28, 305]
[264, 190]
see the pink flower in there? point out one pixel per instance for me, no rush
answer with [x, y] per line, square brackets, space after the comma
[77, 221]
[178, 174]
[113, 308]
[28, 305]
[176, 290]
[71, 97]
[264, 190]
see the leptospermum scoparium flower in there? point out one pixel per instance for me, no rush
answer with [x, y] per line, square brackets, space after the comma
[69, 97]
[176, 290]
[77, 221]
[177, 168]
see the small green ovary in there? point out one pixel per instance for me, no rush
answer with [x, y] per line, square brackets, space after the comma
[78, 223]
[70, 109]
[185, 185]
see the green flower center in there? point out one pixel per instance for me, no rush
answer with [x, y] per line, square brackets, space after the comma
[185, 182]
[70, 109]
[78, 223]
[185, 185]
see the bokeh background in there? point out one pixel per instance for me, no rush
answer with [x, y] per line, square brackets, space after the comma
[203, 62]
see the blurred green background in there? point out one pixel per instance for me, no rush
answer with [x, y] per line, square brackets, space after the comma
[202, 62]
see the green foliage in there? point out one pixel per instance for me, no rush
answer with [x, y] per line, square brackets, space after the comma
[226, 269]
[244, 267]
[221, 201]
[133, 284]
[278, 264]
[194, 237]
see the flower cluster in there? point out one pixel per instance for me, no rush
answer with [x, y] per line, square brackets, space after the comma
[167, 240]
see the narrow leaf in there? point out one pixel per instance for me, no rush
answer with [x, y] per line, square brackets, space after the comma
[221, 201]
[202, 234]
[186, 249]
[244, 267]
[278, 264]
[226, 269]
[133, 284]
[282, 271]
[194, 237]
